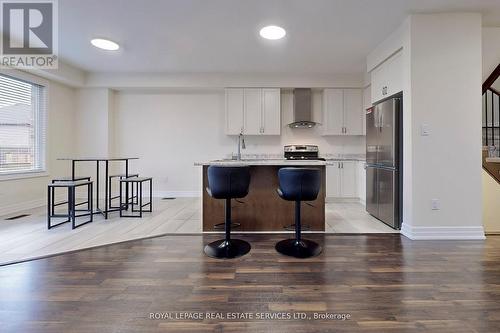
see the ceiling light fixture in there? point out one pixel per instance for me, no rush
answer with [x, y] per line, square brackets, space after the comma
[272, 32]
[105, 44]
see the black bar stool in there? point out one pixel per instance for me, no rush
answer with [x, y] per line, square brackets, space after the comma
[228, 183]
[68, 179]
[138, 181]
[110, 182]
[71, 215]
[298, 184]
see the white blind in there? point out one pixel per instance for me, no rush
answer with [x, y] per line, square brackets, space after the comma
[22, 126]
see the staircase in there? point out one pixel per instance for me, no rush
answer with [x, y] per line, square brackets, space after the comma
[491, 122]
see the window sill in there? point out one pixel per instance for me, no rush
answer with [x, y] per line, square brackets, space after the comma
[23, 175]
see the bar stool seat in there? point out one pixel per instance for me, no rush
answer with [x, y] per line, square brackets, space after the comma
[228, 183]
[69, 179]
[298, 184]
[66, 179]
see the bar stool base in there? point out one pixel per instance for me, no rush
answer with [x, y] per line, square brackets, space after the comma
[298, 249]
[223, 249]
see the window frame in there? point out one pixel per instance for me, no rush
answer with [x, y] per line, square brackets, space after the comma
[26, 174]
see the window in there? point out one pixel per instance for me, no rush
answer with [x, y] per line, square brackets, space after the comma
[22, 126]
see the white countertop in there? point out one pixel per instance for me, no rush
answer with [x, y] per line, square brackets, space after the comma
[269, 162]
[344, 157]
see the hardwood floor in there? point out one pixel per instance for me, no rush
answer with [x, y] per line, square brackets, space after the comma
[386, 283]
[28, 237]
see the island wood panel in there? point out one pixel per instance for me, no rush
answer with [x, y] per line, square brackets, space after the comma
[262, 209]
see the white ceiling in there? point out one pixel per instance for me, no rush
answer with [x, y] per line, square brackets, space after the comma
[189, 36]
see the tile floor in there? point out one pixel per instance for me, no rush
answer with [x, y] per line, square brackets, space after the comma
[28, 237]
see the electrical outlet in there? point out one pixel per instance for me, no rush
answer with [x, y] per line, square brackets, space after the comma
[435, 205]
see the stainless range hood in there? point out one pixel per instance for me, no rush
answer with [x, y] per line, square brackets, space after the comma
[302, 108]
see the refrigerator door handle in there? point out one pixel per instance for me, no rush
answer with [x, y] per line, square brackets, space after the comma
[381, 121]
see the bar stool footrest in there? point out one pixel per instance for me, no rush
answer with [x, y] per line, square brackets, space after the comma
[222, 226]
[291, 227]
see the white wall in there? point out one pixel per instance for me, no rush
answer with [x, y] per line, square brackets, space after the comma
[491, 51]
[17, 194]
[171, 130]
[446, 95]
[445, 91]
[442, 89]
[94, 122]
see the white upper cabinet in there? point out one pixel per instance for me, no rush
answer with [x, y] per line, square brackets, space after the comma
[234, 111]
[387, 78]
[343, 112]
[271, 112]
[353, 112]
[333, 112]
[253, 111]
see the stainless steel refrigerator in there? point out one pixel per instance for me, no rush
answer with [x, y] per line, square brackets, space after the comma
[383, 161]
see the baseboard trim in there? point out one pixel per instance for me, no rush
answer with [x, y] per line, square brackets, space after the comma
[21, 206]
[176, 194]
[340, 200]
[442, 233]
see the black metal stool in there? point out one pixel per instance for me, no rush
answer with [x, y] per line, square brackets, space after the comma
[228, 183]
[67, 179]
[111, 198]
[71, 215]
[138, 181]
[298, 184]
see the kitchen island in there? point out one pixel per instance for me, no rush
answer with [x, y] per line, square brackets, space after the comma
[262, 209]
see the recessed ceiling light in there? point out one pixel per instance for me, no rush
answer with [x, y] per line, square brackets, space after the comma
[105, 44]
[272, 32]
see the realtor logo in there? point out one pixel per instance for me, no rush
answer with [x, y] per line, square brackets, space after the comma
[29, 38]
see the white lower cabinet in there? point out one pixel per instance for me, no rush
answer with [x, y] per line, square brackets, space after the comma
[348, 179]
[361, 170]
[333, 180]
[342, 179]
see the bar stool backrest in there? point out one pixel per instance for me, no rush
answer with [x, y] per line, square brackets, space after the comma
[228, 182]
[299, 184]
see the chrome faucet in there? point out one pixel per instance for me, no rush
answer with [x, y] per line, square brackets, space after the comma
[241, 145]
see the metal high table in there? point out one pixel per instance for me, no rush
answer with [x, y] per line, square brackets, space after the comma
[98, 161]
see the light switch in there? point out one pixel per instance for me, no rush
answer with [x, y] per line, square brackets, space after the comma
[435, 205]
[425, 130]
